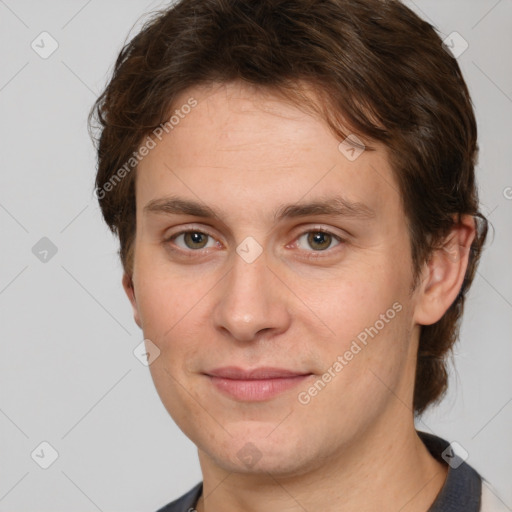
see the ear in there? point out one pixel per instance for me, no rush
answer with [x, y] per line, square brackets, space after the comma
[444, 273]
[130, 292]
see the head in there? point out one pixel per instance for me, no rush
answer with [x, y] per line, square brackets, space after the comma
[240, 107]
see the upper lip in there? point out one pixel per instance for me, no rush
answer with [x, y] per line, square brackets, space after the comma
[235, 373]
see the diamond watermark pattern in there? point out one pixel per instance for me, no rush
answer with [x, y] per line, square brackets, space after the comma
[453, 252]
[44, 250]
[249, 454]
[455, 44]
[249, 250]
[44, 45]
[454, 455]
[146, 352]
[44, 455]
[352, 147]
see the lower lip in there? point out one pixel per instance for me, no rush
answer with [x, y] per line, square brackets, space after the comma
[256, 390]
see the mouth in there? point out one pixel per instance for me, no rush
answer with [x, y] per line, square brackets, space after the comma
[255, 385]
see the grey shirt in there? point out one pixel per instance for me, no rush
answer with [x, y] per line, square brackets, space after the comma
[461, 491]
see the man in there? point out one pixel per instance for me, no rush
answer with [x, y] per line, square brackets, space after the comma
[292, 183]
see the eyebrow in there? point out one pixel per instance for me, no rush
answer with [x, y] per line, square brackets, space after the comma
[335, 206]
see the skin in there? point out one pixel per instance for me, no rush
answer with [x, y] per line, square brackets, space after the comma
[245, 152]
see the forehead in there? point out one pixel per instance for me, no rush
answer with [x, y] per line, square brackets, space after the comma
[247, 143]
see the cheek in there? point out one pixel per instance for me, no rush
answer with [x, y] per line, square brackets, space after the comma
[162, 300]
[363, 374]
[354, 301]
[368, 346]
[174, 315]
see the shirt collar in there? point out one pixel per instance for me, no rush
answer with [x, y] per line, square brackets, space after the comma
[463, 486]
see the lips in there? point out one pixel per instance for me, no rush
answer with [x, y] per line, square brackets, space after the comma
[255, 385]
[232, 372]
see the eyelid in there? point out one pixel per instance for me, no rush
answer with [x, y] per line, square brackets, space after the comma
[188, 229]
[308, 228]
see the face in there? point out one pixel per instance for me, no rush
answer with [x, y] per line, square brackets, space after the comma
[272, 271]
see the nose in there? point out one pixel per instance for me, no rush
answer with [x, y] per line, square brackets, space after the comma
[252, 301]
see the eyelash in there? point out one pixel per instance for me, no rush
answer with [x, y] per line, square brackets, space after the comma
[313, 254]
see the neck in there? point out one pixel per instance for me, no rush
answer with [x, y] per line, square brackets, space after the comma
[388, 468]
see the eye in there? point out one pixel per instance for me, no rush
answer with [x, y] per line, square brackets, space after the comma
[192, 240]
[319, 240]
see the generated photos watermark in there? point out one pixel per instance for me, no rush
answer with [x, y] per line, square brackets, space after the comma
[361, 341]
[144, 149]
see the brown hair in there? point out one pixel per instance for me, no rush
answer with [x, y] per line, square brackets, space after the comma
[377, 68]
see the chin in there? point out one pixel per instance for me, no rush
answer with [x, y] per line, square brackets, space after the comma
[283, 464]
[260, 453]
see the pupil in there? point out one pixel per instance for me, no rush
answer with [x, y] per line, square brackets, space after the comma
[316, 239]
[195, 239]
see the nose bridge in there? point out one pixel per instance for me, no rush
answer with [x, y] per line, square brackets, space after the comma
[250, 300]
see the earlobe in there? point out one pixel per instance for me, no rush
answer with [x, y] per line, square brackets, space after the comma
[130, 292]
[444, 273]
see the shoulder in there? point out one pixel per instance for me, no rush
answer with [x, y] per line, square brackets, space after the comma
[185, 503]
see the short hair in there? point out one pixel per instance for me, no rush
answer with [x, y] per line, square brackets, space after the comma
[377, 69]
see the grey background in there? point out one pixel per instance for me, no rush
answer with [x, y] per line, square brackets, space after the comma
[68, 374]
